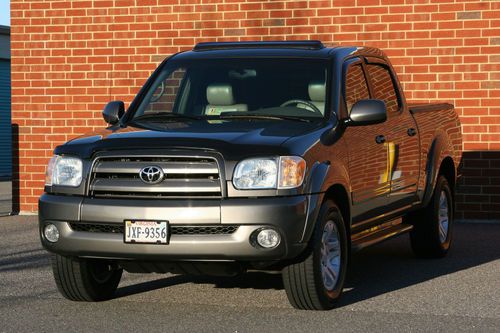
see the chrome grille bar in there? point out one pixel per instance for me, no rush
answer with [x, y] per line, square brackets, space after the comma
[168, 167]
[166, 186]
[184, 177]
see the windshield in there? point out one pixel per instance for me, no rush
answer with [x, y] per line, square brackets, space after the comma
[279, 89]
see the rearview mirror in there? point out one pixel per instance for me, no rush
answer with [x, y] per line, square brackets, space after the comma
[367, 112]
[113, 111]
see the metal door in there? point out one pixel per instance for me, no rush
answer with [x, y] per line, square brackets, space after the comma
[5, 140]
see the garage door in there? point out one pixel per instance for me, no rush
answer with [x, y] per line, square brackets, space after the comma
[5, 139]
[5, 127]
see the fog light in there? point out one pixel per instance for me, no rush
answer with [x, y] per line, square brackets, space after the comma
[268, 238]
[51, 233]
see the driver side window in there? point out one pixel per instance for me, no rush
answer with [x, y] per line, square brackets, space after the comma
[356, 87]
[163, 98]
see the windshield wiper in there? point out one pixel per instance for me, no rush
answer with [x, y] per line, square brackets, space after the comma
[261, 116]
[178, 116]
[164, 115]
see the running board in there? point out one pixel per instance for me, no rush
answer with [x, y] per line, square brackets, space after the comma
[381, 234]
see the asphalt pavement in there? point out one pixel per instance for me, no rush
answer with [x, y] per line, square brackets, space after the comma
[388, 290]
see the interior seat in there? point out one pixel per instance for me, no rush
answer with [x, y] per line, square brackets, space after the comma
[221, 99]
[317, 94]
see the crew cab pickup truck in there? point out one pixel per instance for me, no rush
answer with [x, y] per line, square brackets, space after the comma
[279, 156]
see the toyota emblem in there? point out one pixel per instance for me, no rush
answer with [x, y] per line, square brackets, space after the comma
[151, 174]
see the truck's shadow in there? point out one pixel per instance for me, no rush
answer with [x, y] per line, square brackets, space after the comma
[392, 266]
[378, 270]
[252, 280]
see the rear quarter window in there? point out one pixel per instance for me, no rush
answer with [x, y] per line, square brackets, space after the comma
[383, 86]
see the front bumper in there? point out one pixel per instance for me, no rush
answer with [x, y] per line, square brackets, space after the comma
[289, 215]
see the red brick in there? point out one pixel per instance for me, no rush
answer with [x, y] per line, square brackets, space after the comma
[64, 54]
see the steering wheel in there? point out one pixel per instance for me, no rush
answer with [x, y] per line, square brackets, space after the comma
[303, 101]
[160, 94]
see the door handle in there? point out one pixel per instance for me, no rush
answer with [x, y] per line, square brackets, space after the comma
[411, 131]
[380, 139]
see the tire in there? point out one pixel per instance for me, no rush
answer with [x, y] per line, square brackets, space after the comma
[89, 280]
[432, 233]
[304, 281]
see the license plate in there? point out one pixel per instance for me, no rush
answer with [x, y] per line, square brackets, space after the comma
[146, 232]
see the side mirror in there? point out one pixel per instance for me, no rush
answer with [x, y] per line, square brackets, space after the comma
[113, 111]
[367, 112]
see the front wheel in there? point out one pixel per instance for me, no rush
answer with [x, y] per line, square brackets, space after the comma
[316, 282]
[89, 280]
[432, 225]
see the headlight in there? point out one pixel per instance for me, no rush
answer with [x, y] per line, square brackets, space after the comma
[269, 173]
[257, 173]
[64, 171]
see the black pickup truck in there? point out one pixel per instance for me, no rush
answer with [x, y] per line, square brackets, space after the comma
[279, 156]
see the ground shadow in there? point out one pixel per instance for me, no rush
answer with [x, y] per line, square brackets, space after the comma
[374, 271]
[250, 280]
[391, 266]
[24, 260]
[16, 206]
[377, 270]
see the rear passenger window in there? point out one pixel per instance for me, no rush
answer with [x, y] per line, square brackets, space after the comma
[356, 87]
[383, 86]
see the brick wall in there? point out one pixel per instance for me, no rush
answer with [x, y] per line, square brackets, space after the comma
[70, 57]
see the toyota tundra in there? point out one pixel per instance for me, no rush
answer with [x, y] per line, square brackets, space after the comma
[236, 156]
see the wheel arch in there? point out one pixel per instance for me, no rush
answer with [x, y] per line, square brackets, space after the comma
[328, 181]
[338, 194]
[439, 162]
[447, 169]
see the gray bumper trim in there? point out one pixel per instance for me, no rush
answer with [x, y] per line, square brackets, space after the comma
[200, 247]
[286, 214]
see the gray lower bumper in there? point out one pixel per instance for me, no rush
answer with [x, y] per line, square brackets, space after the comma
[286, 214]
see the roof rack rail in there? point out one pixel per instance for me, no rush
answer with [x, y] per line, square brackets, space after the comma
[296, 44]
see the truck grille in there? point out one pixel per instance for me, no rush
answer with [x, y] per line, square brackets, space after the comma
[174, 230]
[184, 177]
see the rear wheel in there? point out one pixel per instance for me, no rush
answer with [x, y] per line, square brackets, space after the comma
[432, 225]
[316, 282]
[89, 280]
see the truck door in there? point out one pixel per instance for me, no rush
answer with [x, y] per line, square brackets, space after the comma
[367, 151]
[402, 138]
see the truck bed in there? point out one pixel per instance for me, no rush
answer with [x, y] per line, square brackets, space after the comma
[427, 107]
[436, 121]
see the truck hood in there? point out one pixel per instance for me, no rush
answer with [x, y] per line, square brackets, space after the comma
[235, 137]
